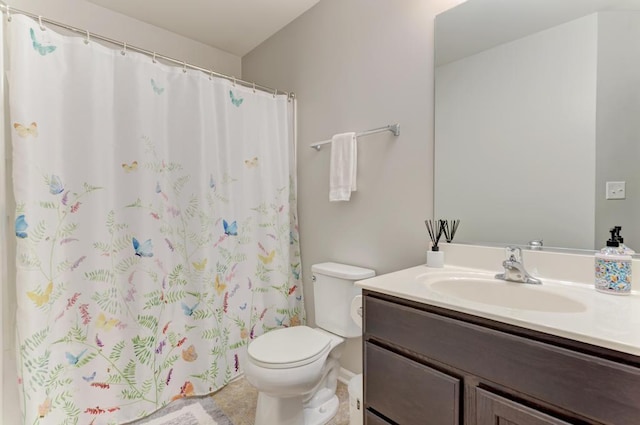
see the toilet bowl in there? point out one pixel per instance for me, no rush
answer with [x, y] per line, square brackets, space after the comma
[297, 384]
[296, 369]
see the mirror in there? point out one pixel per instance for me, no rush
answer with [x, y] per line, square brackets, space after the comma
[538, 108]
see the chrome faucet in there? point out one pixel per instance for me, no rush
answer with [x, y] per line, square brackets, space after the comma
[536, 244]
[514, 268]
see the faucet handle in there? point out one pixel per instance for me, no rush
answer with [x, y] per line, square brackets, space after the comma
[536, 244]
[514, 253]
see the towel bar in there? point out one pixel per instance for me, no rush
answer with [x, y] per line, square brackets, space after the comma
[394, 128]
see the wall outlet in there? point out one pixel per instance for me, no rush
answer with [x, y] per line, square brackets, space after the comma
[616, 190]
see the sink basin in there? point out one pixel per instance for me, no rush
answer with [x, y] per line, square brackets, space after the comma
[487, 290]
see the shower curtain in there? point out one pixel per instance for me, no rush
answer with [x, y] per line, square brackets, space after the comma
[155, 226]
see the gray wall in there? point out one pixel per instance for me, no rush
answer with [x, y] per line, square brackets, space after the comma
[356, 65]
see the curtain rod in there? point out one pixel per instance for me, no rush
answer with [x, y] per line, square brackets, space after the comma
[8, 10]
[394, 128]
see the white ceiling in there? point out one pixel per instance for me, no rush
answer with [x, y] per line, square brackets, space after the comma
[477, 25]
[235, 26]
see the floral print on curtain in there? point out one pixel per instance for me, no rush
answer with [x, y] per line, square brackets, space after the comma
[155, 227]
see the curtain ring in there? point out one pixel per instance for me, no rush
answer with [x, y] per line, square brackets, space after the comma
[153, 58]
[275, 93]
[124, 49]
[254, 87]
[9, 13]
[184, 66]
[234, 81]
[42, 28]
[211, 74]
[88, 39]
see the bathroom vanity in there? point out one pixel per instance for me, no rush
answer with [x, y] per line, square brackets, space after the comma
[432, 359]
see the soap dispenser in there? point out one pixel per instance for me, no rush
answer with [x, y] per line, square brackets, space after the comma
[613, 268]
[625, 249]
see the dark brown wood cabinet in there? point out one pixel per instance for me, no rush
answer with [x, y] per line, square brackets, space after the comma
[426, 365]
[372, 419]
[407, 392]
[492, 409]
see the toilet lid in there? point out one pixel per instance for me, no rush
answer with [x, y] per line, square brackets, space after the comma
[289, 347]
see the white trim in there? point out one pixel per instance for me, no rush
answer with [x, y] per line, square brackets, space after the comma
[237, 378]
[345, 376]
[4, 224]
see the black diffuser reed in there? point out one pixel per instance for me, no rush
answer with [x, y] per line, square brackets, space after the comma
[435, 229]
[449, 228]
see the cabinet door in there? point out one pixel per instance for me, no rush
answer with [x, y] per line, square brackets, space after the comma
[495, 410]
[407, 392]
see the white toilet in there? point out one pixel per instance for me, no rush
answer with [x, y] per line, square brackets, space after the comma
[296, 369]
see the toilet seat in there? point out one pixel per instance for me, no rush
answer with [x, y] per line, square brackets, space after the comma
[289, 347]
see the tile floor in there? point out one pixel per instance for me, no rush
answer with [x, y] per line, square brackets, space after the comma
[238, 401]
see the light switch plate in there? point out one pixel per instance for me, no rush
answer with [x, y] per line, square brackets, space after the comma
[616, 190]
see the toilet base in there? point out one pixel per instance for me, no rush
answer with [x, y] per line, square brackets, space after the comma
[290, 411]
[322, 414]
[275, 410]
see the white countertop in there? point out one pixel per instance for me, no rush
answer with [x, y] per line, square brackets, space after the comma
[610, 321]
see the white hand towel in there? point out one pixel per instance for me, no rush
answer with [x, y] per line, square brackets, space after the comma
[343, 166]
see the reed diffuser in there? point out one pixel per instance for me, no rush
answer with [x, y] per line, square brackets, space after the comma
[449, 228]
[435, 257]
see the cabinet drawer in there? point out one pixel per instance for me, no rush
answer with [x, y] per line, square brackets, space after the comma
[595, 388]
[407, 392]
[493, 409]
[373, 419]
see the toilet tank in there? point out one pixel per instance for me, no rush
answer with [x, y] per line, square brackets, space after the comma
[333, 290]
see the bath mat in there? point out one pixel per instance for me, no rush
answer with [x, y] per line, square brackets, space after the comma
[188, 411]
[192, 414]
